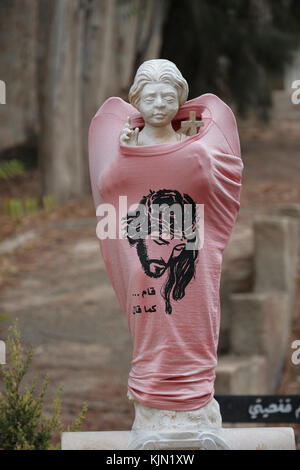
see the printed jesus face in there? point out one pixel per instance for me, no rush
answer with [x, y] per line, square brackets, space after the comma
[164, 253]
[157, 253]
[158, 103]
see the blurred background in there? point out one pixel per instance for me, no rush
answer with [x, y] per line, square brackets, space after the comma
[60, 60]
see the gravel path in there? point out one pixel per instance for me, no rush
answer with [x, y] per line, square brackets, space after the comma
[68, 311]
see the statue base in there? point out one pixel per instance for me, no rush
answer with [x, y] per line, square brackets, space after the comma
[280, 438]
[168, 427]
[201, 429]
[148, 418]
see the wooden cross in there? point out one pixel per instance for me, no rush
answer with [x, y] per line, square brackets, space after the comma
[191, 127]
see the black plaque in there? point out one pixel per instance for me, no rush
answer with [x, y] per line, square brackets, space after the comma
[259, 408]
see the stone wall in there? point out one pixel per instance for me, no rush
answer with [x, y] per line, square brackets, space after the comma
[256, 322]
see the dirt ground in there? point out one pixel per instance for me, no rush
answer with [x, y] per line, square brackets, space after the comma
[57, 286]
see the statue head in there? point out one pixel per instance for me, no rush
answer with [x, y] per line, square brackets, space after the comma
[158, 91]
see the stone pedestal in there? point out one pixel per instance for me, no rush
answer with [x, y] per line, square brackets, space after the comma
[279, 438]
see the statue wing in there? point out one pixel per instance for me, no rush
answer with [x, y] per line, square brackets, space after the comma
[223, 144]
[223, 119]
[103, 139]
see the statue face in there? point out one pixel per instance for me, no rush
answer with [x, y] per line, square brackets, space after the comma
[158, 103]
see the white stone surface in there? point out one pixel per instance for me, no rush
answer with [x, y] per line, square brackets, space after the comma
[151, 419]
[280, 438]
[157, 98]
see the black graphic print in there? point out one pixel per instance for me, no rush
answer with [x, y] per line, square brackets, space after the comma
[175, 260]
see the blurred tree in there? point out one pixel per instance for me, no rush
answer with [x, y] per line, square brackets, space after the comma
[80, 52]
[232, 47]
[61, 96]
[89, 52]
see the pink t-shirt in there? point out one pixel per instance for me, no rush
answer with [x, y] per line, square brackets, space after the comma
[169, 294]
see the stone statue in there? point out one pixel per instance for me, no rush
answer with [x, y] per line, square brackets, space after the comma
[158, 102]
[183, 157]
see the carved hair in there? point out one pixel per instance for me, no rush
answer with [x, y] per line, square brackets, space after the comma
[158, 70]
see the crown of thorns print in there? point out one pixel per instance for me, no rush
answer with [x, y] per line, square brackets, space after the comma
[165, 212]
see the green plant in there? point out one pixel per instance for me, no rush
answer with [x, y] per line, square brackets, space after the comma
[14, 208]
[49, 203]
[11, 168]
[18, 208]
[31, 205]
[4, 317]
[23, 424]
